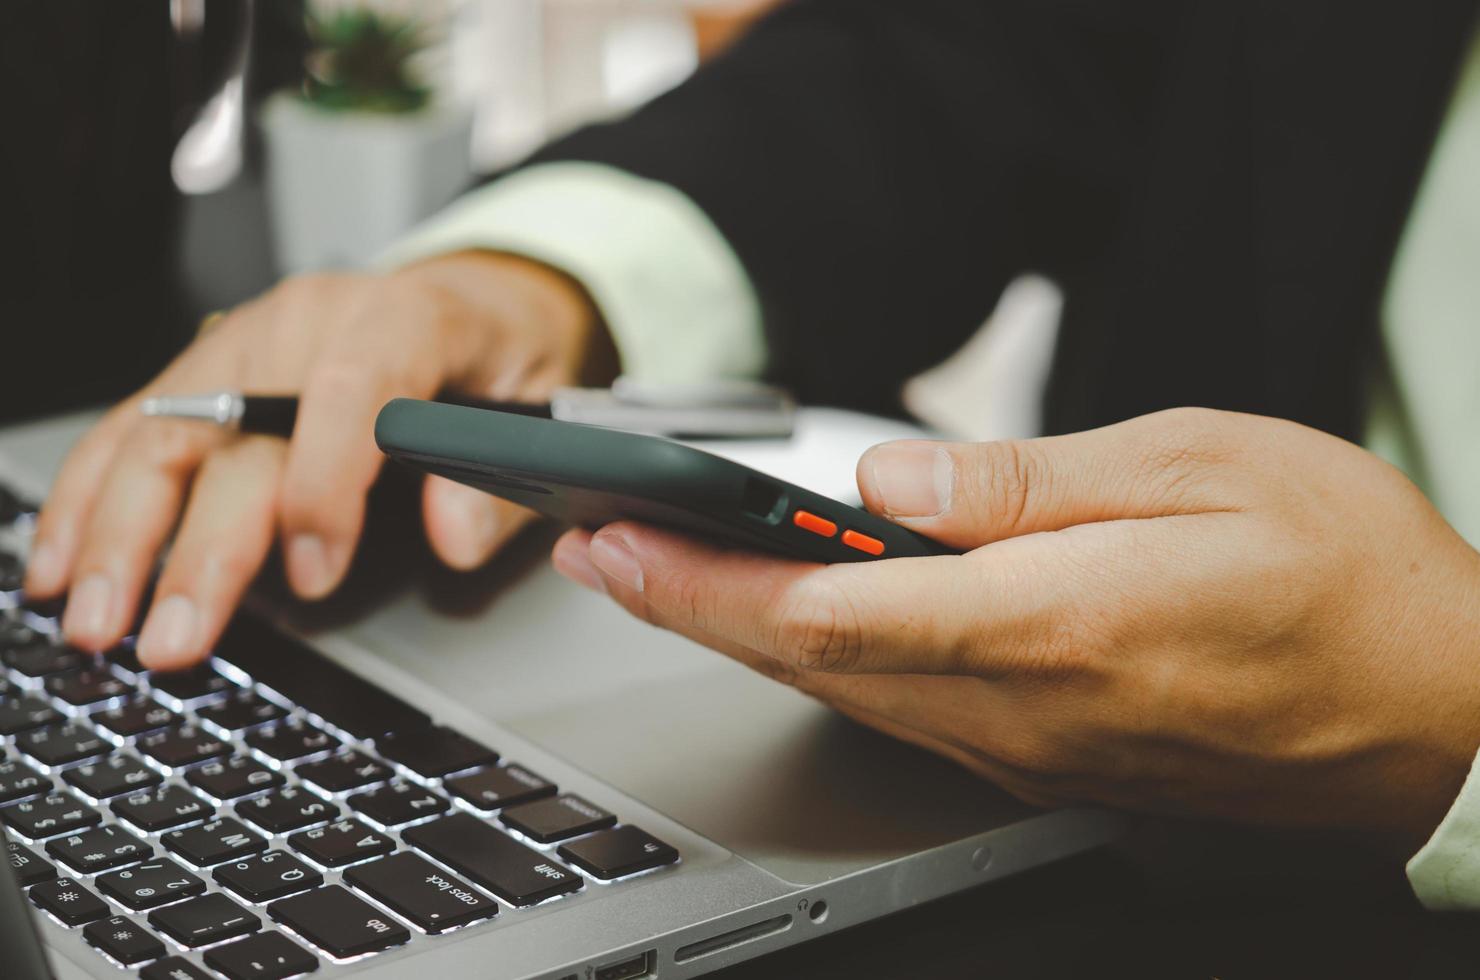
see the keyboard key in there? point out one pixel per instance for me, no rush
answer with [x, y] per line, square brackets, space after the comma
[21, 714]
[49, 816]
[28, 868]
[287, 809]
[99, 849]
[265, 956]
[242, 709]
[399, 803]
[57, 745]
[268, 876]
[161, 808]
[172, 968]
[113, 776]
[205, 920]
[614, 853]
[12, 572]
[340, 843]
[182, 746]
[14, 633]
[42, 657]
[70, 902]
[149, 885]
[418, 890]
[124, 940]
[339, 923]
[211, 843]
[189, 686]
[87, 687]
[493, 860]
[124, 660]
[230, 779]
[45, 608]
[490, 789]
[136, 717]
[307, 678]
[351, 770]
[291, 740]
[18, 781]
[433, 752]
[13, 506]
[548, 821]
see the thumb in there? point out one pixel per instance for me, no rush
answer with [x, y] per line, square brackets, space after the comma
[967, 494]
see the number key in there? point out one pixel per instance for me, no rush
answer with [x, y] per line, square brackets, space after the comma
[58, 745]
[149, 885]
[230, 779]
[18, 781]
[183, 746]
[161, 808]
[50, 815]
[112, 776]
[98, 849]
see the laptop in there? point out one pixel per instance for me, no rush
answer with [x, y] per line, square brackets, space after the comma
[516, 783]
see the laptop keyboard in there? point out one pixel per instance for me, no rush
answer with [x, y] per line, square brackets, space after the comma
[266, 814]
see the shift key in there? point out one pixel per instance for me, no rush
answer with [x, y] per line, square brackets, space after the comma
[495, 861]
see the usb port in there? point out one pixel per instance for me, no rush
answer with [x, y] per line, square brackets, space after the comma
[637, 968]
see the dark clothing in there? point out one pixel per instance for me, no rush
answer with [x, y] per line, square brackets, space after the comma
[1218, 186]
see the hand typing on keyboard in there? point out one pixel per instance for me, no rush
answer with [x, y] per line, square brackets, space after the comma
[245, 814]
[488, 325]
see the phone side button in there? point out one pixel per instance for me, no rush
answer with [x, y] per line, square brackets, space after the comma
[863, 542]
[808, 521]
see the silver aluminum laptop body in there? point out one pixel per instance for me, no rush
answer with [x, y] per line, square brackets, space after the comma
[791, 822]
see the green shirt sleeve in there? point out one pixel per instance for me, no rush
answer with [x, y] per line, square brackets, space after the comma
[674, 295]
[1426, 411]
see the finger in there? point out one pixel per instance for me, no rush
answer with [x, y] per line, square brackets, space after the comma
[905, 615]
[332, 462]
[466, 526]
[70, 501]
[969, 494]
[223, 539]
[134, 511]
[964, 719]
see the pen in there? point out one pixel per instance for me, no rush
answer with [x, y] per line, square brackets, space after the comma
[274, 415]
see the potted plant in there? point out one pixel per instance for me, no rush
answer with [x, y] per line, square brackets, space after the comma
[365, 149]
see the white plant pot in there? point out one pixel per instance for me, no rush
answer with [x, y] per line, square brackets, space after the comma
[344, 185]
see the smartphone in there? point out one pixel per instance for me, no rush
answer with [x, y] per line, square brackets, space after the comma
[591, 476]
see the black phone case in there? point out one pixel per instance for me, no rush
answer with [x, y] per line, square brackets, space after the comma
[591, 476]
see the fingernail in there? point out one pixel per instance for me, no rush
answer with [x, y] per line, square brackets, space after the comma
[911, 479]
[89, 609]
[612, 555]
[169, 632]
[44, 568]
[308, 566]
[574, 562]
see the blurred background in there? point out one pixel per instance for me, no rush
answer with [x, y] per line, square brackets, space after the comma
[172, 158]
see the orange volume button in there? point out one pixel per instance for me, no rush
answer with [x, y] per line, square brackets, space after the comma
[863, 542]
[808, 521]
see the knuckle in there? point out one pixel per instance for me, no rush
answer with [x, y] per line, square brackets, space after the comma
[1188, 445]
[817, 627]
[1011, 475]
